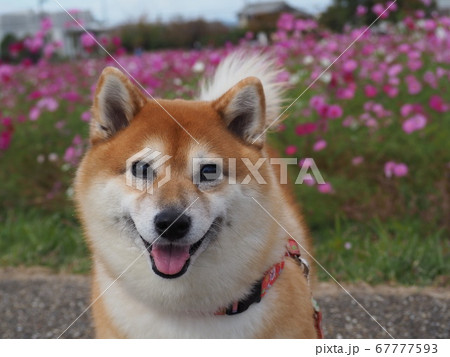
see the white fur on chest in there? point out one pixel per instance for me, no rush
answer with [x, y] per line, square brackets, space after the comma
[134, 319]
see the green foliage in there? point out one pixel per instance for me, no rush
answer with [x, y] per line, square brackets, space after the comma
[177, 34]
[343, 12]
[32, 237]
[378, 252]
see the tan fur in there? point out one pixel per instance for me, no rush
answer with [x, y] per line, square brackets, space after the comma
[104, 326]
[286, 311]
[293, 315]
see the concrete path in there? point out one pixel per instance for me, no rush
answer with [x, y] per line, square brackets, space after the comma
[36, 304]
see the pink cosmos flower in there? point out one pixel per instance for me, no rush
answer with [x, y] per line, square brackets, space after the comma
[392, 6]
[34, 44]
[361, 10]
[406, 109]
[48, 103]
[35, 94]
[349, 121]
[120, 51]
[323, 111]
[415, 64]
[6, 122]
[283, 76]
[77, 140]
[409, 22]
[334, 111]
[49, 49]
[394, 81]
[395, 70]
[309, 181]
[86, 116]
[391, 168]
[71, 96]
[371, 123]
[34, 113]
[350, 65]
[70, 154]
[420, 14]
[414, 86]
[116, 41]
[400, 170]
[319, 145]
[305, 25]
[46, 24]
[291, 150]
[357, 160]
[378, 9]
[430, 25]
[87, 40]
[325, 188]
[441, 72]
[417, 122]
[437, 104]
[307, 162]
[430, 78]
[346, 93]
[379, 110]
[404, 48]
[286, 22]
[370, 91]
[377, 77]
[5, 139]
[104, 41]
[391, 91]
[317, 102]
[305, 129]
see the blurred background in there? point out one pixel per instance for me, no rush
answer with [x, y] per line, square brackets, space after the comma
[377, 123]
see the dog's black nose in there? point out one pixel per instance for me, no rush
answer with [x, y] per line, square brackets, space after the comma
[172, 224]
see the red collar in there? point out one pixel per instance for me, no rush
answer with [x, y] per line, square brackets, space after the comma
[261, 287]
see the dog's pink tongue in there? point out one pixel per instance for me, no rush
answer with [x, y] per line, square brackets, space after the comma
[170, 259]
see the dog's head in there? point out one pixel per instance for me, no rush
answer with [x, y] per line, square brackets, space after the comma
[174, 178]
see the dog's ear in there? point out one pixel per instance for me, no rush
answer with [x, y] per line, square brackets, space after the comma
[243, 110]
[116, 102]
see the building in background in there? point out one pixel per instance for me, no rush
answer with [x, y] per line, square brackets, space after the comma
[64, 29]
[263, 16]
[443, 6]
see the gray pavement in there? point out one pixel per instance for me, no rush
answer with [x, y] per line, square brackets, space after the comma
[35, 304]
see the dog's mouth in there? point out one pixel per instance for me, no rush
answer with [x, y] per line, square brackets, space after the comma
[172, 260]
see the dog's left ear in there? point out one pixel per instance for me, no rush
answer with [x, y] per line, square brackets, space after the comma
[243, 110]
[117, 101]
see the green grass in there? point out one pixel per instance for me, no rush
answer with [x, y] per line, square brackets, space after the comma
[33, 237]
[373, 252]
[376, 252]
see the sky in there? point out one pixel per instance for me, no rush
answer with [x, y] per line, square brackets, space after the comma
[118, 11]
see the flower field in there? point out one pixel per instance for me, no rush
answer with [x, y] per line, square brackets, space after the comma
[377, 124]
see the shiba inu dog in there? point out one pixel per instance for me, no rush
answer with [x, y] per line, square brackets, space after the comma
[210, 257]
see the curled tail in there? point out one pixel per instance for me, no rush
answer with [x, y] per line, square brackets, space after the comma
[240, 65]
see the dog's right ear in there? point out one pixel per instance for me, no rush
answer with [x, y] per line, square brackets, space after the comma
[117, 101]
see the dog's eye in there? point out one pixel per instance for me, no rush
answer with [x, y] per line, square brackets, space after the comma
[208, 172]
[141, 170]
